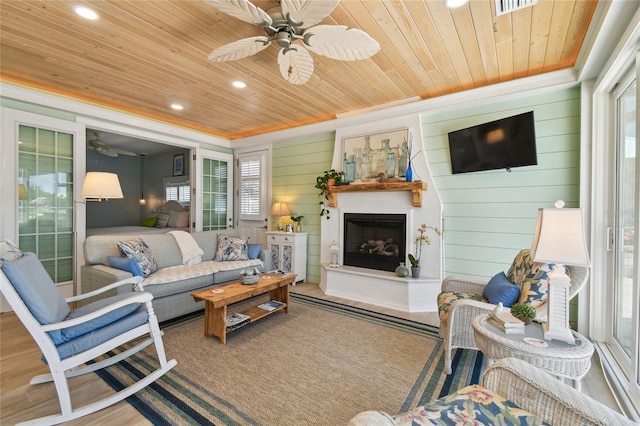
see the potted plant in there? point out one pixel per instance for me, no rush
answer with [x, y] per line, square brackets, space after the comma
[329, 178]
[524, 312]
[297, 218]
[423, 238]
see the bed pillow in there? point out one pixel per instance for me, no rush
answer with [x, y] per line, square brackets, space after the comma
[253, 250]
[178, 220]
[126, 264]
[149, 221]
[141, 253]
[500, 289]
[163, 219]
[231, 248]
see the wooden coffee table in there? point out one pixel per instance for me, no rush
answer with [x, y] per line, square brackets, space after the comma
[215, 304]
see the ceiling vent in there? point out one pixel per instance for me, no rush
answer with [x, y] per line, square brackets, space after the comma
[508, 6]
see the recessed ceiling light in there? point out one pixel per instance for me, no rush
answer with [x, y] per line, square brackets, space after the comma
[452, 4]
[86, 13]
[177, 107]
[239, 84]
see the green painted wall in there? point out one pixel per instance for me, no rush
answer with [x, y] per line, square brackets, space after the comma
[296, 164]
[489, 216]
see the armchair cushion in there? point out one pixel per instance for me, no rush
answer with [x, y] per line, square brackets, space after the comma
[446, 298]
[500, 289]
[531, 277]
[470, 405]
[101, 321]
[45, 303]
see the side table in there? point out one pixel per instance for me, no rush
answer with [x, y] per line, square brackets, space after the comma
[559, 358]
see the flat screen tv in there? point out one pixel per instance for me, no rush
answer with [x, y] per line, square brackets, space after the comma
[501, 144]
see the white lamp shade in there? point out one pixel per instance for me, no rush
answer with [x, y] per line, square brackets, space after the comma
[101, 185]
[559, 238]
[280, 209]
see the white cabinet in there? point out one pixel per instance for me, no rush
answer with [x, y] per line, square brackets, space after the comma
[289, 252]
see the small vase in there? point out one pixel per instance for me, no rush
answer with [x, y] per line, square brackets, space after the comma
[298, 227]
[409, 174]
[415, 271]
[401, 270]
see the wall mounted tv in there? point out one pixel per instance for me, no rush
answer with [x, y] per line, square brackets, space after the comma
[501, 144]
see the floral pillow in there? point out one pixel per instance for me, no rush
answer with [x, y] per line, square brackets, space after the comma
[231, 248]
[470, 405]
[141, 253]
[532, 277]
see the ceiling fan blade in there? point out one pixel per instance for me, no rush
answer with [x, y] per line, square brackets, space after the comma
[108, 152]
[340, 42]
[296, 66]
[123, 152]
[239, 49]
[308, 12]
[243, 10]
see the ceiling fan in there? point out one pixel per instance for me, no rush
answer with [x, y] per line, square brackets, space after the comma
[288, 22]
[104, 149]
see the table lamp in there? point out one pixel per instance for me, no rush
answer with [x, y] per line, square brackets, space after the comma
[559, 240]
[280, 209]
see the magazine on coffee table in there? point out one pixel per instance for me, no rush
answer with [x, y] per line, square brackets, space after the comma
[271, 305]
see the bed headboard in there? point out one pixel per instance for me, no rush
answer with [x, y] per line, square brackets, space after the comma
[171, 206]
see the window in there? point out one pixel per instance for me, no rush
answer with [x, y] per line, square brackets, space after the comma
[250, 188]
[178, 189]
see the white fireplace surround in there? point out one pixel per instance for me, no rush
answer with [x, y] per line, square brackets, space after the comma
[376, 287]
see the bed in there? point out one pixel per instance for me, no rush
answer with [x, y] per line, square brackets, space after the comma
[171, 216]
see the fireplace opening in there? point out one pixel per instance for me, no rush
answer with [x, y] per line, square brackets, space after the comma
[374, 241]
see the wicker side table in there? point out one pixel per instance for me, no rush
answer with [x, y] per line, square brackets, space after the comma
[559, 358]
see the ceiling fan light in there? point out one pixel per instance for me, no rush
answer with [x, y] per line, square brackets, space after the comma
[453, 4]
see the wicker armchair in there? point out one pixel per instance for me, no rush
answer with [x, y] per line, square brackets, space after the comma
[524, 385]
[455, 321]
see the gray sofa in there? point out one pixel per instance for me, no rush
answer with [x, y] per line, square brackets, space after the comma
[173, 282]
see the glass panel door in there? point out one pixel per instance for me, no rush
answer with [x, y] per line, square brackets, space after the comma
[626, 222]
[45, 204]
[213, 203]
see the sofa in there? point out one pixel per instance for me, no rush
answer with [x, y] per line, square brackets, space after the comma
[173, 281]
[512, 392]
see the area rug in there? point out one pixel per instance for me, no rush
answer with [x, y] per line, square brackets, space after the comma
[318, 365]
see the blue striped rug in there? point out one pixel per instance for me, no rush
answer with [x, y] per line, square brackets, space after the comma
[185, 396]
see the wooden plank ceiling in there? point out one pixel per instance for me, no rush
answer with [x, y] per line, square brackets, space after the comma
[142, 56]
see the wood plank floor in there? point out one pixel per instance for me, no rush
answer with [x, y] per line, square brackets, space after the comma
[20, 360]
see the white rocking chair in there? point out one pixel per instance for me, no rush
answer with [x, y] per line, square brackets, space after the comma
[68, 338]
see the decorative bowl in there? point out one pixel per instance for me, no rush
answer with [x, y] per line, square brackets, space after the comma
[250, 279]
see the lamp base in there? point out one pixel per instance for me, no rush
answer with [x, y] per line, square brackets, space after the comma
[558, 334]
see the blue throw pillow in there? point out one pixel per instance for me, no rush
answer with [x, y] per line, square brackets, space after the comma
[500, 289]
[126, 264]
[253, 250]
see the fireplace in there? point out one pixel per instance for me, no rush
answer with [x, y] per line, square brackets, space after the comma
[374, 241]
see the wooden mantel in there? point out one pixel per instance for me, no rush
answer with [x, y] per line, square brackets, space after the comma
[416, 189]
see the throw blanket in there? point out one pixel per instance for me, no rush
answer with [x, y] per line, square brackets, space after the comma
[189, 248]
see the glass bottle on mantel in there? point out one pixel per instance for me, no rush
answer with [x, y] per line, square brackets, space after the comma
[402, 271]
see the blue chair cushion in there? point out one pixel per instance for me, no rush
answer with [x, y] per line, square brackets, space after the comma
[126, 264]
[500, 289]
[101, 321]
[37, 290]
[253, 250]
[104, 334]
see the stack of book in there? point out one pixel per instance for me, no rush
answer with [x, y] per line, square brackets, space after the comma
[237, 320]
[506, 322]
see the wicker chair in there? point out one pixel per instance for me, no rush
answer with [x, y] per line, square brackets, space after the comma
[529, 388]
[455, 321]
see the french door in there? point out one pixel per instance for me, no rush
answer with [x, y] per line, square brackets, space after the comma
[212, 199]
[43, 170]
